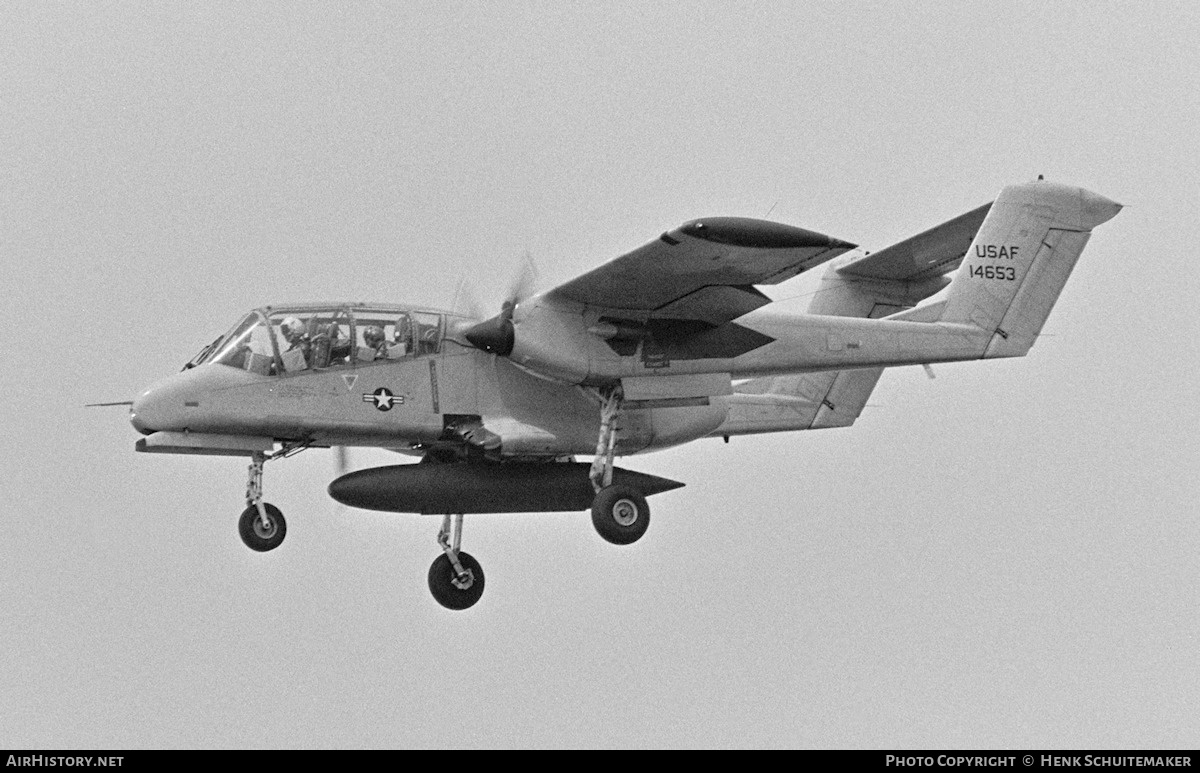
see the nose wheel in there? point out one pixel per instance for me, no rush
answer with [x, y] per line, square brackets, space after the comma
[455, 578]
[262, 531]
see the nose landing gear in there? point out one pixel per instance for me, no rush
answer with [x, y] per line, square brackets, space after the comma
[455, 578]
[262, 525]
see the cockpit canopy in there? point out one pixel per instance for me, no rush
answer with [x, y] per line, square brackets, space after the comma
[278, 340]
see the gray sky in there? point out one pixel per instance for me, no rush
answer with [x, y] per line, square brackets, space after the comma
[1004, 556]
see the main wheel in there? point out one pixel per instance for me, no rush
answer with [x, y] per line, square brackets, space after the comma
[620, 514]
[255, 534]
[448, 589]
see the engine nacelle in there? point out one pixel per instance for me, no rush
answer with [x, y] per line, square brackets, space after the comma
[553, 341]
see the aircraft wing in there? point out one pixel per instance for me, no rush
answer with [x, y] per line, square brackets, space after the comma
[703, 271]
[932, 253]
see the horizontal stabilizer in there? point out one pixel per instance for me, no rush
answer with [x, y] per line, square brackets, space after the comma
[847, 397]
[805, 401]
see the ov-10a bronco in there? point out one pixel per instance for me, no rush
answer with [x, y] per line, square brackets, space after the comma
[673, 342]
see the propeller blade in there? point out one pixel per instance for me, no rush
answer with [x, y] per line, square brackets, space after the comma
[525, 282]
[465, 301]
[106, 405]
[341, 464]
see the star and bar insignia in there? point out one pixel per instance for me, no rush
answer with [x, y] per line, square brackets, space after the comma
[383, 398]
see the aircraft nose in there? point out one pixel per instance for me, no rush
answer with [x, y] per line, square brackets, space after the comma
[162, 406]
[138, 422]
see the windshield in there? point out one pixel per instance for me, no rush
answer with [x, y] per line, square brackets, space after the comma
[203, 355]
[248, 346]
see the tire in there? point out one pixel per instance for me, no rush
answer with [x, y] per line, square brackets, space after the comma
[251, 528]
[442, 582]
[620, 514]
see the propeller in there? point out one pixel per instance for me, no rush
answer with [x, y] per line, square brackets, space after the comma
[497, 335]
[341, 465]
[465, 300]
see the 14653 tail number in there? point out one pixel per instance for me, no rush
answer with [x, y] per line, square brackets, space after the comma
[1006, 273]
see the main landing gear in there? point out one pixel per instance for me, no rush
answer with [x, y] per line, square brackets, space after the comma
[455, 578]
[262, 525]
[619, 513]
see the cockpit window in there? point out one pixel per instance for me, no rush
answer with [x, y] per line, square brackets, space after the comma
[248, 347]
[203, 355]
[427, 332]
[383, 335]
[314, 339]
[305, 339]
[391, 335]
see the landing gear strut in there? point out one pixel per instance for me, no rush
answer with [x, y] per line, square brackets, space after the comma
[619, 513]
[455, 578]
[261, 525]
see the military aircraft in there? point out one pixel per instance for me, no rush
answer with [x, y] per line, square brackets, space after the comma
[670, 343]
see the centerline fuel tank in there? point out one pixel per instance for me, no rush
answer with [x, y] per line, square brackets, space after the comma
[432, 488]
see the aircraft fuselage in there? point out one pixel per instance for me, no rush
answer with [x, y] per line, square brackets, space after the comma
[407, 405]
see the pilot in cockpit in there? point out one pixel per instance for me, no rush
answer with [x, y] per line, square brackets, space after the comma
[293, 332]
[295, 354]
[312, 345]
[376, 341]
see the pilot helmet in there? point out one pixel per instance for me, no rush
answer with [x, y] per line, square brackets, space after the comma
[373, 335]
[292, 328]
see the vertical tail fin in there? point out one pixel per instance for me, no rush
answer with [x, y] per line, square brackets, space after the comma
[1019, 262]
